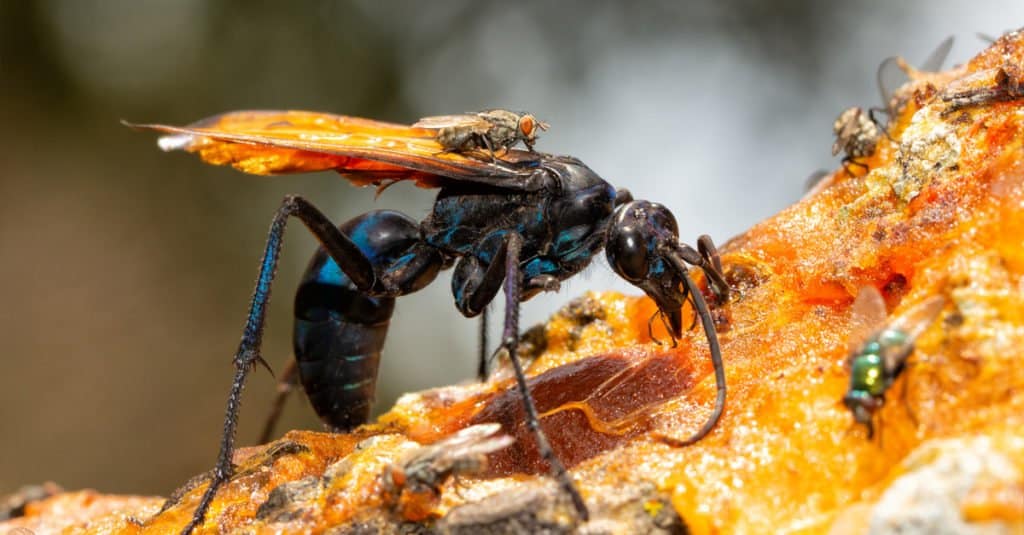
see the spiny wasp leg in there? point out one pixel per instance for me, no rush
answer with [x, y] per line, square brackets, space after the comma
[483, 364]
[510, 344]
[343, 251]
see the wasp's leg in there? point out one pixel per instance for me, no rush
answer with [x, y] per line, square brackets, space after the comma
[709, 252]
[510, 344]
[475, 282]
[474, 286]
[343, 251]
[707, 259]
[285, 385]
[483, 369]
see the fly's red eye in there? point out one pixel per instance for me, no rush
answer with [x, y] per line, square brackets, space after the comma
[526, 125]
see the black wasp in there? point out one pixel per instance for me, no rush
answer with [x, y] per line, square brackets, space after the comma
[522, 223]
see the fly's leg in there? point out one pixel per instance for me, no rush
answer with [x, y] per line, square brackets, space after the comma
[344, 252]
[884, 127]
[475, 282]
[848, 162]
[510, 344]
[486, 141]
[289, 379]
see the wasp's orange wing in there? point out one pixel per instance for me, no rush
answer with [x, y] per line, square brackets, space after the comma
[365, 151]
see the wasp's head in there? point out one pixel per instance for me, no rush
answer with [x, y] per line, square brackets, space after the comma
[638, 237]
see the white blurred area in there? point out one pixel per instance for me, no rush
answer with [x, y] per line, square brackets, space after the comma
[127, 272]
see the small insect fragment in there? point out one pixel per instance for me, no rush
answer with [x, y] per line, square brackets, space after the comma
[894, 71]
[13, 505]
[879, 358]
[858, 131]
[489, 129]
[527, 509]
[999, 84]
[414, 485]
[857, 135]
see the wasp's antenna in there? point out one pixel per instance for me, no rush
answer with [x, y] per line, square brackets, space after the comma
[675, 257]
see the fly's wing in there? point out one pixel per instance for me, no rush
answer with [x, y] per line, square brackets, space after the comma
[474, 122]
[938, 56]
[912, 323]
[889, 77]
[441, 456]
[466, 438]
[481, 440]
[892, 72]
[867, 316]
[366, 152]
[815, 181]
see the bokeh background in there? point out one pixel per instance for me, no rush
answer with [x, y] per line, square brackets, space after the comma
[125, 272]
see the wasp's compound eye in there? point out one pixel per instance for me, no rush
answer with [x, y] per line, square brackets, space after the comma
[628, 252]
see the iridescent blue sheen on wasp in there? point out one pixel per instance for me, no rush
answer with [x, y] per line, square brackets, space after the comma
[523, 222]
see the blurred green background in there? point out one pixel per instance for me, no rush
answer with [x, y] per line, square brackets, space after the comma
[126, 272]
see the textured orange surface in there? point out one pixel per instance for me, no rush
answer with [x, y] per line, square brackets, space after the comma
[941, 211]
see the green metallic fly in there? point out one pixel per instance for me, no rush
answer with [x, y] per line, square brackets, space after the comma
[876, 360]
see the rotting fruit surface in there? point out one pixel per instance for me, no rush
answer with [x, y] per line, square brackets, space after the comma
[940, 210]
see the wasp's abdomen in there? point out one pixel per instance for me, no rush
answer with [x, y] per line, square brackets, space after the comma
[339, 331]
